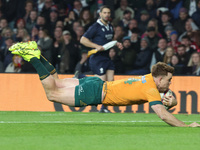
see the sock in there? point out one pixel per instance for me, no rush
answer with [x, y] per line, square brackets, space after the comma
[47, 65]
[40, 68]
[103, 107]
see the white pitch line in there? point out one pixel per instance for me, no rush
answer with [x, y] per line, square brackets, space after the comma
[27, 122]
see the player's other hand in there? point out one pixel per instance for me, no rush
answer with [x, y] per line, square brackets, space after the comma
[194, 124]
[99, 48]
[169, 101]
[119, 45]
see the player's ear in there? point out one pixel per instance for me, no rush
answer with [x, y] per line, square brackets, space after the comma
[160, 78]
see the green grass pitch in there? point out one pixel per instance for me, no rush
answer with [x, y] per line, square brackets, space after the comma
[94, 131]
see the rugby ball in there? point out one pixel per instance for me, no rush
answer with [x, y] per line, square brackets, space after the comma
[162, 95]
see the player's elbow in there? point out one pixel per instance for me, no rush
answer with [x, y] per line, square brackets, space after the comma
[82, 40]
[51, 96]
[163, 117]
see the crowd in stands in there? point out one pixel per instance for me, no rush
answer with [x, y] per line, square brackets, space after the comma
[150, 31]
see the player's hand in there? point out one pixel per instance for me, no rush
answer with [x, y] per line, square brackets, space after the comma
[119, 45]
[169, 101]
[194, 124]
[99, 48]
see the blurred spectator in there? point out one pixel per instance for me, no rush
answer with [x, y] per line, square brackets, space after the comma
[22, 35]
[31, 21]
[86, 18]
[20, 24]
[152, 23]
[79, 32]
[47, 9]
[120, 11]
[152, 37]
[143, 21]
[45, 44]
[158, 55]
[196, 15]
[151, 8]
[70, 54]
[116, 60]
[178, 68]
[189, 28]
[179, 24]
[164, 22]
[188, 44]
[41, 22]
[62, 11]
[142, 61]
[10, 10]
[174, 40]
[194, 64]
[183, 55]
[82, 67]
[7, 56]
[3, 24]
[40, 5]
[192, 7]
[15, 65]
[168, 30]
[77, 7]
[174, 7]
[26, 11]
[119, 34]
[132, 24]
[168, 55]
[128, 55]
[195, 37]
[53, 20]
[60, 24]
[135, 39]
[75, 25]
[6, 33]
[125, 20]
[34, 33]
[56, 47]
[68, 21]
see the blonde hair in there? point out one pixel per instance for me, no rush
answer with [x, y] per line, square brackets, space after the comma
[190, 63]
[166, 59]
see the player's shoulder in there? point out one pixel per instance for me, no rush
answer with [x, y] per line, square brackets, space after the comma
[95, 25]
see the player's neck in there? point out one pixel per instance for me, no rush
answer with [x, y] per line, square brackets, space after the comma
[105, 23]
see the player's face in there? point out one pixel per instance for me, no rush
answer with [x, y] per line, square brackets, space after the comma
[105, 14]
[164, 83]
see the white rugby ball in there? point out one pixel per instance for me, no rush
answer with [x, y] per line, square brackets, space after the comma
[162, 95]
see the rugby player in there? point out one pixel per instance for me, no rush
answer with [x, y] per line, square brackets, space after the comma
[94, 91]
[100, 33]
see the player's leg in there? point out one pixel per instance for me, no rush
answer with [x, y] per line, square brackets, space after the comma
[57, 90]
[49, 67]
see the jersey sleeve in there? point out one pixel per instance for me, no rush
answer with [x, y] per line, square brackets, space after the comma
[91, 32]
[153, 96]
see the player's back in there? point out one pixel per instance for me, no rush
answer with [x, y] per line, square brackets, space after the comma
[129, 91]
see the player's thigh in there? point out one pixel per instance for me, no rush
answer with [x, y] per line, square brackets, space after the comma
[67, 82]
[65, 96]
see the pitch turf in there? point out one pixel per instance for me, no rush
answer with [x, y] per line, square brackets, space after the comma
[94, 131]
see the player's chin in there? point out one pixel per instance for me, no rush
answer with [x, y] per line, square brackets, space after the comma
[163, 90]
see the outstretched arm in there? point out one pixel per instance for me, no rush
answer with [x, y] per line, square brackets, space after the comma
[86, 42]
[169, 118]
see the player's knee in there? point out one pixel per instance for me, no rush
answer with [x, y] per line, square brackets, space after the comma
[51, 96]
